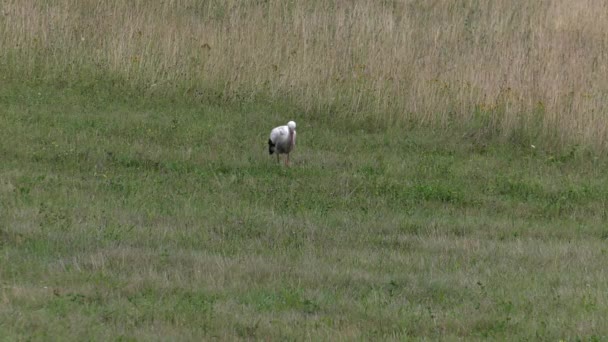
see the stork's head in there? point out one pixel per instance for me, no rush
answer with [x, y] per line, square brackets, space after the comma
[292, 126]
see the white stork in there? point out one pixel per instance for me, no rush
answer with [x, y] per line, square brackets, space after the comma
[282, 140]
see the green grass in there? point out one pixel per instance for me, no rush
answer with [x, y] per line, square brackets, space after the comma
[127, 216]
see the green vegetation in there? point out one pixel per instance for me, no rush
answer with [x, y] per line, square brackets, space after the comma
[159, 219]
[138, 201]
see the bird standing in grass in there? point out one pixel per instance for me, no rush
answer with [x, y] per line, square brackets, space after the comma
[282, 140]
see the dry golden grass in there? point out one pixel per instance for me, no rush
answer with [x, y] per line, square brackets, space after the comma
[533, 72]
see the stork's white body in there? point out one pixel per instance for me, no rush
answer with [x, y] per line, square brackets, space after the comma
[282, 140]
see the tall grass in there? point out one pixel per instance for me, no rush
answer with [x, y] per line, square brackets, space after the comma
[530, 72]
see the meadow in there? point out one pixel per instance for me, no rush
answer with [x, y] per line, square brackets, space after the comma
[448, 181]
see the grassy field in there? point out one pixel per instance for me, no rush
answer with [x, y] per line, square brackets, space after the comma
[449, 179]
[157, 219]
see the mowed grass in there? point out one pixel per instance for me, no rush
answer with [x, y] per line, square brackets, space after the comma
[139, 218]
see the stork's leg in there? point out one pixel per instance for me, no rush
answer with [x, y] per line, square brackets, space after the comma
[287, 160]
[278, 160]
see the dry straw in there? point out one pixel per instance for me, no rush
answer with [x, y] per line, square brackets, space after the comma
[516, 69]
